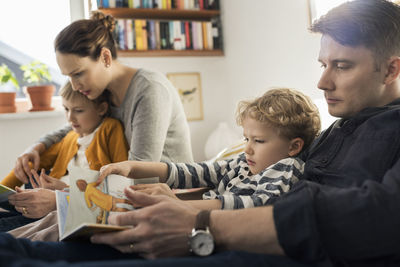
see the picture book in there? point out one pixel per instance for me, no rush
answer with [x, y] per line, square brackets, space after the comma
[5, 192]
[84, 210]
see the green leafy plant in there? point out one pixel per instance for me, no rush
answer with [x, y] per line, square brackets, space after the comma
[36, 73]
[6, 75]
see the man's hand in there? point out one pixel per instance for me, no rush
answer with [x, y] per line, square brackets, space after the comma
[46, 181]
[33, 203]
[161, 227]
[155, 189]
[22, 168]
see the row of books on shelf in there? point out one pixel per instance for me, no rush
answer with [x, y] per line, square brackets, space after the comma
[161, 4]
[143, 35]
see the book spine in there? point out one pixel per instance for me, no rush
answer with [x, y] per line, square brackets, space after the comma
[158, 37]
[121, 34]
[112, 3]
[129, 34]
[171, 34]
[187, 35]
[204, 33]
[183, 35]
[138, 34]
[210, 40]
[144, 32]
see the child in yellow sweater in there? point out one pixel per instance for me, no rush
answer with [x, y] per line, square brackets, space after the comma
[95, 140]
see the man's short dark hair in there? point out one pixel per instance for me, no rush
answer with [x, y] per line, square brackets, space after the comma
[374, 24]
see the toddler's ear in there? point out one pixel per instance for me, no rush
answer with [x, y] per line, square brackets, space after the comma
[103, 108]
[295, 146]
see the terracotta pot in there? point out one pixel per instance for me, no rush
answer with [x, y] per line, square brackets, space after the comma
[40, 97]
[7, 102]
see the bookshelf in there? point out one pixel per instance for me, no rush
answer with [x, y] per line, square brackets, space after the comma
[158, 15]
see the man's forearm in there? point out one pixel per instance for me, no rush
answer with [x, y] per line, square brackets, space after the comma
[206, 204]
[251, 230]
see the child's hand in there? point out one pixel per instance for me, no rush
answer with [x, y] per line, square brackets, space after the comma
[46, 181]
[154, 189]
[121, 168]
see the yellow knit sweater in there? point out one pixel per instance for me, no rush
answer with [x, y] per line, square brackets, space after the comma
[108, 145]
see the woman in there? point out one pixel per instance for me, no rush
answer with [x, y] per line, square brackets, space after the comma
[146, 102]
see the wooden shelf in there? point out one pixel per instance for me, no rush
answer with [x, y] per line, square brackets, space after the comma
[153, 13]
[170, 53]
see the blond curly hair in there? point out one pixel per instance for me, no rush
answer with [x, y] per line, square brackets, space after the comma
[292, 113]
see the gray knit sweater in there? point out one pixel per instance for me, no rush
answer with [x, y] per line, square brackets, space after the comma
[155, 124]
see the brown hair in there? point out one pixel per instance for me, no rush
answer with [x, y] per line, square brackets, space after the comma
[374, 24]
[68, 93]
[292, 113]
[87, 37]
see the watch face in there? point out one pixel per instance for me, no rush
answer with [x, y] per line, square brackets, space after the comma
[202, 243]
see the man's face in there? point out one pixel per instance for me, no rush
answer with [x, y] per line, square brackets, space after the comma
[350, 80]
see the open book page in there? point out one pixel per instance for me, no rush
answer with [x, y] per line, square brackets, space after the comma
[62, 200]
[5, 192]
[90, 205]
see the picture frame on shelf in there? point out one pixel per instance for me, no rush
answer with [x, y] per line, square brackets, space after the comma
[190, 92]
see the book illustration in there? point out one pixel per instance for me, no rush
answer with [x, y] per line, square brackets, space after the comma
[95, 198]
[5, 192]
[89, 207]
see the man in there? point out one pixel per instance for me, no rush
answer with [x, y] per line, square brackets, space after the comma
[345, 211]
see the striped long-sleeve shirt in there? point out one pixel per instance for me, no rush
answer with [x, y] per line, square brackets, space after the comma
[232, 182]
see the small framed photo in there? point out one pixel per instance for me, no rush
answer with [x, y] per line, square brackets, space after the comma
[189, 89]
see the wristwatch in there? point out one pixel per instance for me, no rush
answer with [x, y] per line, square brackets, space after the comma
[201, 240]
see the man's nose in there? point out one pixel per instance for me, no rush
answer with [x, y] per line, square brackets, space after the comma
[326, 82]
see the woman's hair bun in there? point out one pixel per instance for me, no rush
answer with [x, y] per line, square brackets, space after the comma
[107, 20]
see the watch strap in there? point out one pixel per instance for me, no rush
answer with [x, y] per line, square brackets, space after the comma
[202, 220]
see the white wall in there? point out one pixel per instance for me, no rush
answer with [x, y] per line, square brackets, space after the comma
[266, 44]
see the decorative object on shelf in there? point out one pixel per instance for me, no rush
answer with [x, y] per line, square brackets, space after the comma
[8, 86]
[189, 89]
[40, 91]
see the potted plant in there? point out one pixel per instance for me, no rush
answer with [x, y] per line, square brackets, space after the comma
[39, 90]
[8, 86]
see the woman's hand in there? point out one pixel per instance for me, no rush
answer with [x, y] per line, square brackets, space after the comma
[155, 189]
[160, 228]
[22, 168]
[46, 181]
[121, 168]
[33, 203]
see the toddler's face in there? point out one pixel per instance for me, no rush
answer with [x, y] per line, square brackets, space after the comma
[264, 146]
[83, 116]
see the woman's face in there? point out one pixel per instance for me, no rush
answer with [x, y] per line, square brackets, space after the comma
[86, 75]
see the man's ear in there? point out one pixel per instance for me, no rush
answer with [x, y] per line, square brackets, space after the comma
[393, 70]
[295, 146]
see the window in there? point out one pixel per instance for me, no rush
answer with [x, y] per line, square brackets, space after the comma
[28, 33]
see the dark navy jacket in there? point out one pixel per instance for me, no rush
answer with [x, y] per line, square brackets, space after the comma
[346, 208]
